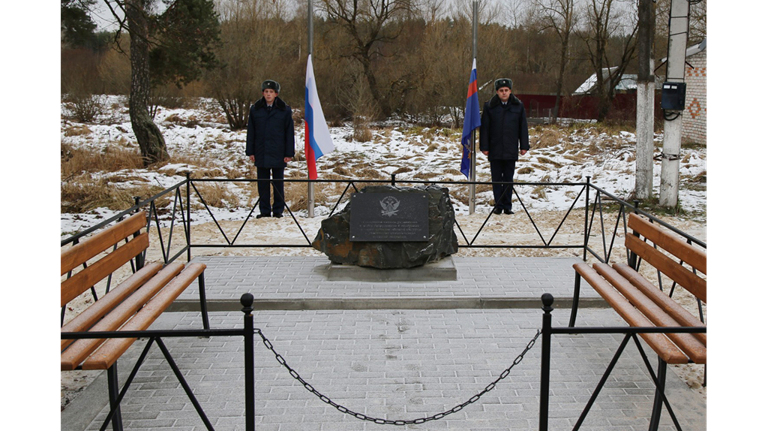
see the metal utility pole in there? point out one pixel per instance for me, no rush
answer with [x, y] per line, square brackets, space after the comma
[310, 49]
[646, 85]
[473, 150]
[673, 124]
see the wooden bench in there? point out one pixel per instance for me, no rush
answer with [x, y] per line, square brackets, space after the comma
[642, 304]
[133, 305]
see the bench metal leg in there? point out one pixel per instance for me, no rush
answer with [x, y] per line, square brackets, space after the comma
[203, 302]
[602, 382]
[184, 384]
[114, 413]
[575, 304]
[661, 375]
[659, 381]
[660, 399]
[114, 398]
[118, 397]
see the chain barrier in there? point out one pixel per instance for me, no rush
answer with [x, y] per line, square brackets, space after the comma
[380, 421]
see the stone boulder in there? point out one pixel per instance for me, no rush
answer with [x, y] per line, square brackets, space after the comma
[333, 237]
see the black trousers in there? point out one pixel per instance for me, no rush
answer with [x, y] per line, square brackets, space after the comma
[502, 171]
[263, 176]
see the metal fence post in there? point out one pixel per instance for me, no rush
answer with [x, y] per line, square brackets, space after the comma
[586, 221]
[546, 339]
[631, 256]
[189, 222]
[250, 402]
[141, 257]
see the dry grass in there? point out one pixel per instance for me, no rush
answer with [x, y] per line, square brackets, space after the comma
[77, 196]
[217, 195]
[80, 192]
[78, 161]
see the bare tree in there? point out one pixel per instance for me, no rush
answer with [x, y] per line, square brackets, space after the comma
[443, 61]
[432, 10]
[608, 23]
[698, 21]
[559, 15]
[369, 24]
[488, 11]
[249, 47]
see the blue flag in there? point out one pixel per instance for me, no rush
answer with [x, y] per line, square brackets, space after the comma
[471, 121]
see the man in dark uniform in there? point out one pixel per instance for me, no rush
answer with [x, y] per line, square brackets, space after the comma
[503, 134]
[270, 146]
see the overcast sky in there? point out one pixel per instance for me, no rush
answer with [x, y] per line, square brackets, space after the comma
[103, 18]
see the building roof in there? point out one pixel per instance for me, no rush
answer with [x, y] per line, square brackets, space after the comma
[691, 50]
[628, 81]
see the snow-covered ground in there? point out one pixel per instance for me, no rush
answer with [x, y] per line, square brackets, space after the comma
[201, 137]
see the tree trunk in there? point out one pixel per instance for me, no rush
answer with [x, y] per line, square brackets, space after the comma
[151, 141]
[374, 86]
[560, 78]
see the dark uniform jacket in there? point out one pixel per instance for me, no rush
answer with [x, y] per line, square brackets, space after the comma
[503, 129]
[270, 134]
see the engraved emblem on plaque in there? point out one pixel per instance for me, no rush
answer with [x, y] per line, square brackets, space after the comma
[389, 206]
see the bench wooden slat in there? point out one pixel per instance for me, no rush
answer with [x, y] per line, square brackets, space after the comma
[110, 351]
[659, 342]
[81, 253]
[136, 301]
[689, 254]
[80, 349]
[682, 276]
[670, 307]
[83, 280]
[689, 344]
[105, 304]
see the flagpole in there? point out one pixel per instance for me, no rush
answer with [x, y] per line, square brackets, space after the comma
[472, 152]
[310, 48]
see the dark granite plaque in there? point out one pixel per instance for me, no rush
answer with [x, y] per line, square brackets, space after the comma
[386, 217]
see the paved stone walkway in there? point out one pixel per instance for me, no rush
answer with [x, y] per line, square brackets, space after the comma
[388, 363]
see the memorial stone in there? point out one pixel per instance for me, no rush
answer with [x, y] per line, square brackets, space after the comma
[393, 231]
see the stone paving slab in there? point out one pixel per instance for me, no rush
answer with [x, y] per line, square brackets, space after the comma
[305, 278]
[392, 364]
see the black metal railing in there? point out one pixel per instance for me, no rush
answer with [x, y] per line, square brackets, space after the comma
[598, 238]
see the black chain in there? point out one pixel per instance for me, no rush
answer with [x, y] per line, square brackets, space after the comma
[362, 416]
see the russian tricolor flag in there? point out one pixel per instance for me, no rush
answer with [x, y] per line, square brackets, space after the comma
[471, 121]
[317, 138]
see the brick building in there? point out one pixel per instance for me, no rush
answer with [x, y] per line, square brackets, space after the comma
[695, 114]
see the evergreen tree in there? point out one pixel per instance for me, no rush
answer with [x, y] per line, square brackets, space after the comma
[174, 45]
[77, 27]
